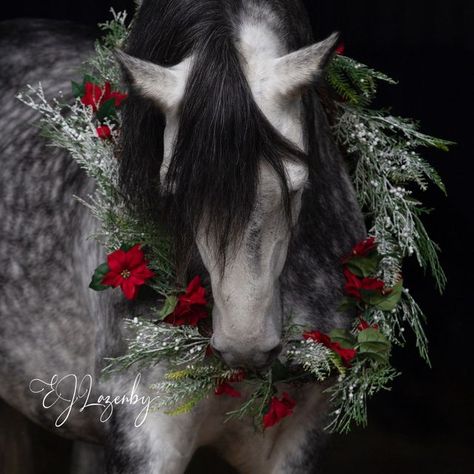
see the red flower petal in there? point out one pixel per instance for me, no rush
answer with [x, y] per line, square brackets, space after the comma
[129, 289]
[117, 261]
[190, 317]
[354, 284]
[346, 354]
[226, 389]
[365, 247]
[194, 284]
[92, 95]
[363, 325]
[341, 48]
[135, 257]
[195, 293]
[191, 307]
[142, 272]
[118, 97]
[107, 95]
[104, 132]
[269, 419]
[112, 279]
[372, 284]
[278, 409]
[361, 249]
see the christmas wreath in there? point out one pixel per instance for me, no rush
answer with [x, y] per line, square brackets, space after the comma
[383, 153]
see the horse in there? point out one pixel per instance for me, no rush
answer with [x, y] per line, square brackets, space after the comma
[225, 140]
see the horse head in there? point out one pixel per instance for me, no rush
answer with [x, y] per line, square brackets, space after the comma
[233, 172]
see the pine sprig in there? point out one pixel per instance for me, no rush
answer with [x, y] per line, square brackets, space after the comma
[349, 396]
[154, 343]
[314, 358]
[103, 64]
[354, 82]
[182, 389]
[257, 402]
[386, 164]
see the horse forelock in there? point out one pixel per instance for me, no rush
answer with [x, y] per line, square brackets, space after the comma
[223, 136]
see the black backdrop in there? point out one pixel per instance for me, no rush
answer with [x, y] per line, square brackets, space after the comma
[423, 424]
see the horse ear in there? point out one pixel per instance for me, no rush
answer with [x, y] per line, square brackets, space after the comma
[299, 69]
[165, 86]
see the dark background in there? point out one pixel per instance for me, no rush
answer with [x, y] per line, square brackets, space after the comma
[425, 424]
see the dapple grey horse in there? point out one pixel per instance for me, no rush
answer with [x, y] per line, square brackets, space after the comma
[225, 122]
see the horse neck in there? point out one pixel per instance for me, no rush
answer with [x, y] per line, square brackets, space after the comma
[330, 223]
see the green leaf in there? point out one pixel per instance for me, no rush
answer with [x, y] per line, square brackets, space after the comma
[107, 110]
[372, 297]
[99, 274]
[390, 301]
[373, 344]
[168, 307]
[343, 337]
[347, 304]
[364, 266]
[77, 89]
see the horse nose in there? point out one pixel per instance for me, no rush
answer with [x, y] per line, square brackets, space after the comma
[254, 359]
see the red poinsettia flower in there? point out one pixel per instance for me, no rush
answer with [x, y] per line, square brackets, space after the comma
[191, 307]
[103, 132]
[363, 325]
[365, 247]
[341, 48]
[278, 409]
[94, 96]
[361, 249]
[116, 95]
[346, 354]
[354, 284]
[225, 388]
[127, 269]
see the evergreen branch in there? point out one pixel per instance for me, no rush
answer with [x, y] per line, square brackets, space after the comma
[349, 396]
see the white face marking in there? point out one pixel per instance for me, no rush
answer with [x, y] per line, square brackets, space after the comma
[247, 313]
[261, 48]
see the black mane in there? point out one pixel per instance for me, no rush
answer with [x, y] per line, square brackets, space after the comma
[222, 133]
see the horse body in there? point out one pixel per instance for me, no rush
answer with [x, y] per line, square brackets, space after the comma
[45, 319]
[52, 323]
